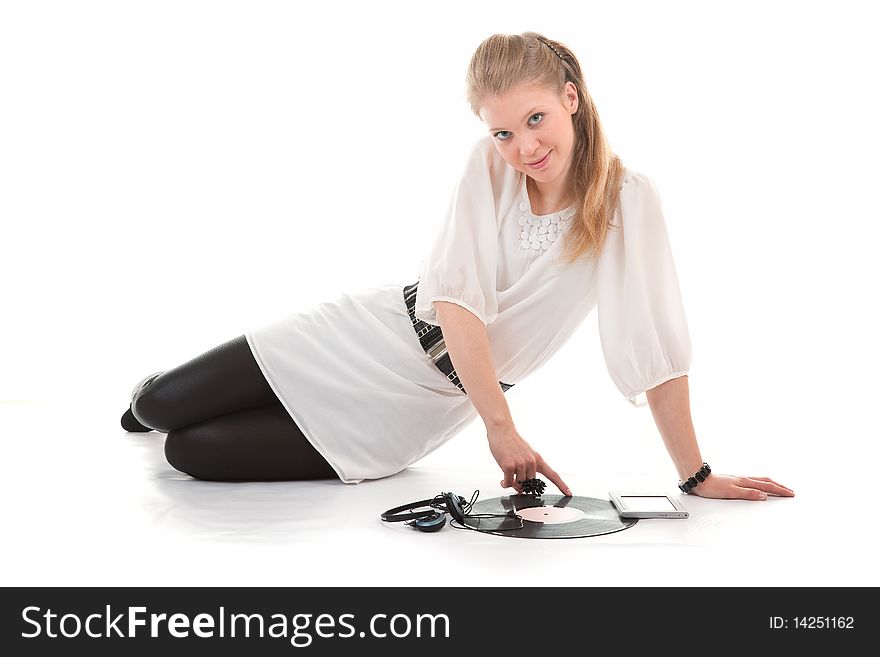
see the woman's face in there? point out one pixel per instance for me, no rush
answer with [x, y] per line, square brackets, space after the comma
[530, 122]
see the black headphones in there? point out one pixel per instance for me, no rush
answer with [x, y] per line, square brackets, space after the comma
[433, 519]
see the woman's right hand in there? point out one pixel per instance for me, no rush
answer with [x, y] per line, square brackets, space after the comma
[518, 461]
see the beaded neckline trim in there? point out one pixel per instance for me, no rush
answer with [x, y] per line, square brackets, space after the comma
[538, 232]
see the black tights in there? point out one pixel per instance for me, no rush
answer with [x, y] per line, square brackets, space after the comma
[224, 422]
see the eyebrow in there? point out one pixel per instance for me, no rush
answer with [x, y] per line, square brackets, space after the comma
[532, 111]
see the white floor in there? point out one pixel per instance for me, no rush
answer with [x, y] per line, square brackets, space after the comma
[86, 503]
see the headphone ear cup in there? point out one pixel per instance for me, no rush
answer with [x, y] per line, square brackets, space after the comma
[430, 523]
[454, 505]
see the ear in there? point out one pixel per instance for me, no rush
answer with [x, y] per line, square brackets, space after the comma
[571, 97]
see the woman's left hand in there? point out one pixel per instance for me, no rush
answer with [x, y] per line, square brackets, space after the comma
[740, 488]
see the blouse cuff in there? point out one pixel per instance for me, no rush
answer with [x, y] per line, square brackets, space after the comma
[640, 398]
[430, 315]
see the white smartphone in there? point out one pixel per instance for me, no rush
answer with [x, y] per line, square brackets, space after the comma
[647, 505]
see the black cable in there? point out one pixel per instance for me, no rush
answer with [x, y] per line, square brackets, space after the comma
[469, 505]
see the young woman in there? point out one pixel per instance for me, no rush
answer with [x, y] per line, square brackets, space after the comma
[544, 225]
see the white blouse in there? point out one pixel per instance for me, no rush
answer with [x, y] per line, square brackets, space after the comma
[352, 373]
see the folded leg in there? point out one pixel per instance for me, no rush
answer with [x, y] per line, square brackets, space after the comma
[224, 380]
[262, 444]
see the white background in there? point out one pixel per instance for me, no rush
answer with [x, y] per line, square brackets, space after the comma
[173, 174]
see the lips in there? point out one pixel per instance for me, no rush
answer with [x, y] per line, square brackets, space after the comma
[531, 164]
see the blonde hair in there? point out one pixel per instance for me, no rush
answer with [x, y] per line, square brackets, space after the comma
[504, 61]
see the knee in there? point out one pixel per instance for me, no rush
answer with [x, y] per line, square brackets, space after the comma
[151, 407]
[182, 453]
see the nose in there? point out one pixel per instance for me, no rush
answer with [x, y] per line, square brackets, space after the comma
[528, 147]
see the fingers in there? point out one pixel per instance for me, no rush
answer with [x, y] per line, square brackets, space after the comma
[509, 476]
[517, 471]
[510, 479]
[529, 469]
[750, 494]
[770, 486]
[550, 473]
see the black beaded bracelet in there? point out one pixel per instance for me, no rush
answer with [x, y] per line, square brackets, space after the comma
[698, 478]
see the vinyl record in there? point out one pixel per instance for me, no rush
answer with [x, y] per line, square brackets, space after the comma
[548, 516]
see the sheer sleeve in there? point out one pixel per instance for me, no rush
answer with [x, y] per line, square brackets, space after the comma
[461, 264]
[642, 323]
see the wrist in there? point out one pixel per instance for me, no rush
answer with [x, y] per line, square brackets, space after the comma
[499, 424]
[695, 479]
[688, 468]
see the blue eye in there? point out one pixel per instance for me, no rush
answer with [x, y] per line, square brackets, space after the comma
[541, 114]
